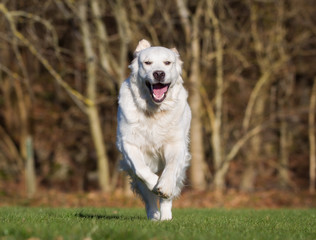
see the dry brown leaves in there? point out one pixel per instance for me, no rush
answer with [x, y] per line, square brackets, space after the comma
[188, 199]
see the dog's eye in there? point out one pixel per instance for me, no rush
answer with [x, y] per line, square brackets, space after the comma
[167, 63]
[148, 63]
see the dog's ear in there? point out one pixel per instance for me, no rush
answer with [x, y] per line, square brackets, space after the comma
[175, 51]
[178, 56]
[143, 44]
[179, 62]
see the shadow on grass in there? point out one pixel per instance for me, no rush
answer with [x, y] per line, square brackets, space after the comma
[108, 217]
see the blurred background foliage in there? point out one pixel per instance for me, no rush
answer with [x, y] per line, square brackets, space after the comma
[249, 67]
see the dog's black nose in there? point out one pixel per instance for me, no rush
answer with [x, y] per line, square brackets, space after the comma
[159, 75]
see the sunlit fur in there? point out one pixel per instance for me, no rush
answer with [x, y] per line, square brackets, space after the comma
[153, 137]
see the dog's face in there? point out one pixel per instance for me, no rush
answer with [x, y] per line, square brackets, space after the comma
[157, 68]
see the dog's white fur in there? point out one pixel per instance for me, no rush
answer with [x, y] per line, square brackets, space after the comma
[153, 136]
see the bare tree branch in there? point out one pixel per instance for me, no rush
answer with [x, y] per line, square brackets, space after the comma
[18, 35]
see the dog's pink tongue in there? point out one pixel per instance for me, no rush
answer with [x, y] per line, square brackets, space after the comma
[159, 89]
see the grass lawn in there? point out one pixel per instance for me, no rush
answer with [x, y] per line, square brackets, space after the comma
[110, 223]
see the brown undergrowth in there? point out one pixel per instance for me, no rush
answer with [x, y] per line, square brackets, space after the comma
[15, 195]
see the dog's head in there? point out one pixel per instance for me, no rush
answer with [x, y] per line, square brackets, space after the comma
[157, 68]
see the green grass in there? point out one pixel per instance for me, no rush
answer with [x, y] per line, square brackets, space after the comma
[109, 223]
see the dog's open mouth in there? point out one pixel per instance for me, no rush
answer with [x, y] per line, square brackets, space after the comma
[158, 91]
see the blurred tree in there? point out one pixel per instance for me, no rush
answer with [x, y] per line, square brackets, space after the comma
[92, 111]
[23, 106]
[312, 139]
[190, 25]
[248, 65]
[220, 163]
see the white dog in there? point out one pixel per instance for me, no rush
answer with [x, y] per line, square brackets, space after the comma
[153, 127]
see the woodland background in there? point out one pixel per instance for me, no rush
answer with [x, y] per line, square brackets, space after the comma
[249, 67]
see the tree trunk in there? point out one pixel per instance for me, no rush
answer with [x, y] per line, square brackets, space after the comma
[197, 170]
[96, 132]
[197, 148]
[221, 166]
[284, 155]
[30, 168]
[312, 140]
[286, 88]
[103, 42]
[26, 145]
[253, 153]
[92, 111]
[125, 37]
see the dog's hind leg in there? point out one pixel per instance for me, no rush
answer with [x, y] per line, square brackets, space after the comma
[149, 198]
[165, 209]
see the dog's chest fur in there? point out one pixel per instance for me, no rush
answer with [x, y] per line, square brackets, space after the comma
[150, 131]
[153, 130]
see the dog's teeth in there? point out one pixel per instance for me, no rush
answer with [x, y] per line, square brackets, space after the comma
[158, 97]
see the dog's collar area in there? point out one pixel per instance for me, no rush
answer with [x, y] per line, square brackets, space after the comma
[158, 91]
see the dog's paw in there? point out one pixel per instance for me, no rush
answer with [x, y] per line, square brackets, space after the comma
[153, 216]
[165, 209]
[160, 193]
[167, 216]
[164, 189]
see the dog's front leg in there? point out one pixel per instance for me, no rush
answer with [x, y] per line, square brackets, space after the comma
[165, 209]
[167, 185]
[135, 159]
